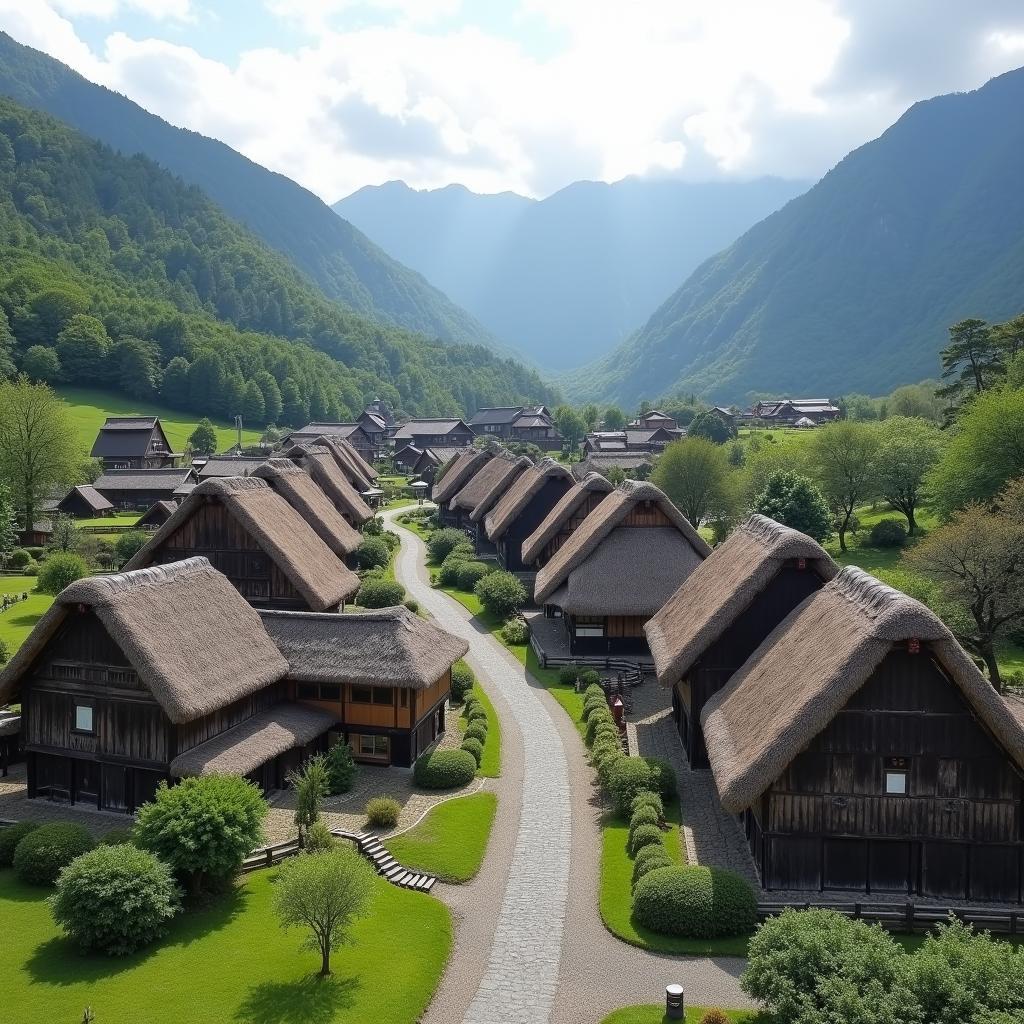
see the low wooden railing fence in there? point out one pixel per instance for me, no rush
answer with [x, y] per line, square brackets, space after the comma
[909, 917]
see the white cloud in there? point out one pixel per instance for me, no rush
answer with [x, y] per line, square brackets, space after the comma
[416, 91]
[170, 10]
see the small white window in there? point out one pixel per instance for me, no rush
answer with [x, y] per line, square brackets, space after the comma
[83, 718]
[896, 783]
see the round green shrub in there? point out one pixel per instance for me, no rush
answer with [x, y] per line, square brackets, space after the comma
[605, 730]
[645, 814]
[477, 713]
[383, 812]
[590, 678]
[595, 719]
[41, 854]
[462, 681]
[372, 553]
[648, 798]
[888, 533]
[19, 558]
[644, 835]
[10, 837]
[501, 594]
[60, 570]
[593, 703]
[654, 856]
[663, 777]
[341, 768]
[115, 899]
[32, 569]
[412, 604]
[471, 573]
[515, 632]
[568, 674]
[448, 574]
[442, 542]
[602, 747]
[469, 705]
[629, 777]
[379, 593]
[35, 552]
[474, 747]
[476, 731]
[444, 769]
[696, 902]
[594, 690]
[606, 765]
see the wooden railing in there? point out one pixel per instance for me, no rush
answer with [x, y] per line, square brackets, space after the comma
[633, 668]
[909, 917]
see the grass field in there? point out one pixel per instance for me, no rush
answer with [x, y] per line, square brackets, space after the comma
[16, 623]
[122, 519]
[450, 842]
[228, 963]
[90, 407]
[656, 1015]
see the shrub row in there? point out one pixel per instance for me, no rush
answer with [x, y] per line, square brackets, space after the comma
[476, 728]
[694, 901]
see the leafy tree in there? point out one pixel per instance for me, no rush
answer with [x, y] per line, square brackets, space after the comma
[694, 472]
[311, 784]
[8, 533]
[60, 570]
[571, 425]
[38, 444]
[203, 827]
[271, 395]
[51, 310]
[794, 501]
[707, 425]
[614, 418]
[206, 380]
[204, 438]
[917, 400]
[323, 893]
[591, 415]
[1009, 337]
[7, 368]
[137, 367]
[908, 451]
[65, 535]
[41, 364]
[971, 362]
[83, 347]
[128, 545]
[174, 388]
[843, 455]
[341, 768]
[294, 408]
[254, 409]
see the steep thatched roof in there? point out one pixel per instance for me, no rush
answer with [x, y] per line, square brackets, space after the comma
[810, 666]
[323, 580]
[608, 517]
[359, 473]
[517, 498]
[499, 486]
[321, 465]
[188, 633]
[492, 479]
[571, 501]
[255, 741]
[463, 467]
[719, 590]
[89, 496]
[304, 495]
[387, 647]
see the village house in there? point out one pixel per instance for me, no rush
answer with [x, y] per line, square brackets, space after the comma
[442, 432]
[378, 430]
[788, 411]
[229, 465]
[526, 424]
[632, 439]
[654, 419]
[252, 534]
[156, 515]
[137, 489]
[133, 442]
[724, 610]
[383, 676]
[322, 465]
[359, 473]
[482, 492]
[351, 432]
[632, 464]
[865, 752]
[617, 569]
[454, 475]
[84, 502]
[136, 678]
[570, 511]
[522, 508]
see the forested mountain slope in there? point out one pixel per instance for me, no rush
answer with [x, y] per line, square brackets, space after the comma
[339, 258]
[567, 277]
[850, 288]
[128, 277]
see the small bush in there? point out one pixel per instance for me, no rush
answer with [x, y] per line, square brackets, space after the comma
[60, 570]
[380, 593]
[32, 569]
[515, 632]
[663, 777]
[115, 837]
[41, 854]
[36, 553]
[382, 812]
[628, 778]
[448, 574]
[476, 731]
[476, 713]
[644, 835]
[605, 730]
[648, 798]
[341, 768]
[19, 558]
[568, 674]
[475, 747]
[607, 765]
[596, 718]
[648, 858]
[372, 553]
[462, 681]
[444, 769]
[602, 747]
[714, 1016]
[591, 678]
[888, 533]
[9, 839]
[319, 839]
[442, 542]
[645, 814]
[594, 690]
[592, 703]
[696, 902]
[128, 545]
[115, 899]
[501, 594]
[470, 704]
[412, 604]
[470, 574]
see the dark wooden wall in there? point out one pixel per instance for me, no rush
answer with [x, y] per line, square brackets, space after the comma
[569, 528]
[510, 547]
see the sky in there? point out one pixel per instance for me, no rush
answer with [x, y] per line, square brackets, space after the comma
[529, 95]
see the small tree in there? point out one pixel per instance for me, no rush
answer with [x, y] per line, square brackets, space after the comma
[128, 545]
[794, 501]
[341, 768]
[204, 438]
[907, 453]
[60, 570]
[64, 534]
[844, 457]
[696, 476]
[372, 553]
[8, 534]
[41, 364]
[571, 425]
[324, 893]
[203, 827]
[311, 783]
[501, 594]
[614, 418]
[710, 426]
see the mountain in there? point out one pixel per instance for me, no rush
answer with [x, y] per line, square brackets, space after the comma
[340, 259]
[115, 273]
[850, 287]
[567, 277]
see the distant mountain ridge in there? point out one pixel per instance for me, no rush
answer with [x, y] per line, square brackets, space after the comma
[345, 264]
[850, 287]
[567, 277]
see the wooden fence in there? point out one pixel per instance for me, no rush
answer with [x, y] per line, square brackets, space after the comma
[910, 917]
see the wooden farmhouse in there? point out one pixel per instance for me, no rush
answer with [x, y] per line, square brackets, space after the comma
[522, 508]
[84, 502]
[320, 464]
[383, 676]
[724, 610]
[350, 460]
[453, 477]
[866, 752]
[133, 442]
[482, 492]
[253, 535]
[156, 515]
[230, 465]
[137, 489]
[616, 570]
[559, 524]
[352, 434]
[446, 432]
[135, 678]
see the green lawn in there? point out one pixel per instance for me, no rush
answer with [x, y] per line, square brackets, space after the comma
[16, 623]
[490, 764]
[450, 842]
[122, 519]
[90, 407]
[656, 1015]
[229, 962]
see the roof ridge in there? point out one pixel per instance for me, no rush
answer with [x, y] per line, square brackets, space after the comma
[893, 613]
[225, 484]
[96, 589]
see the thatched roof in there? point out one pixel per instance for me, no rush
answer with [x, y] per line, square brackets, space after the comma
[592, 483]
[722, 587]
[304, 495]
[87, 494]
[487, 485]
[810, 666]
[192, 638]
[623, 578]
[359, 472]
[255, 741]
[502, 482]
[320, 463]
[517, 498]
[323, 580]
[602, 462]
[387, 647]
[463, 468]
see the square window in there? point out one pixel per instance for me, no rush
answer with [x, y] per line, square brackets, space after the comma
[896, 783]
[307, 691]
[361, 695]
[83, 718]
[329, 691]
[383, 695]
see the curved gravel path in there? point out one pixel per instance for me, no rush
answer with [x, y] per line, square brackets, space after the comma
[530, 944]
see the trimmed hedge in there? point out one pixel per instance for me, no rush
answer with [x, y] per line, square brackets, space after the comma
[379, 593]
[595, 719]
[657, 857]
[475, 747]
[591, 678]
[663, 777]
[444, 769]
[470, 574]
[568, 674]
[602, 746]
[607, 765]
[628, 778]
[644, 835]
[41, 854]
[604, 731]
[10, 837]
[695, 902]
[476, 731]
[648, 798]
[443, 542]
[462, 680]
[645, 814]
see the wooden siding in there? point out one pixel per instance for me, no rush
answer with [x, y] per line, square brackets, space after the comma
[569, 527]
[510, 547]
[646, 514]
